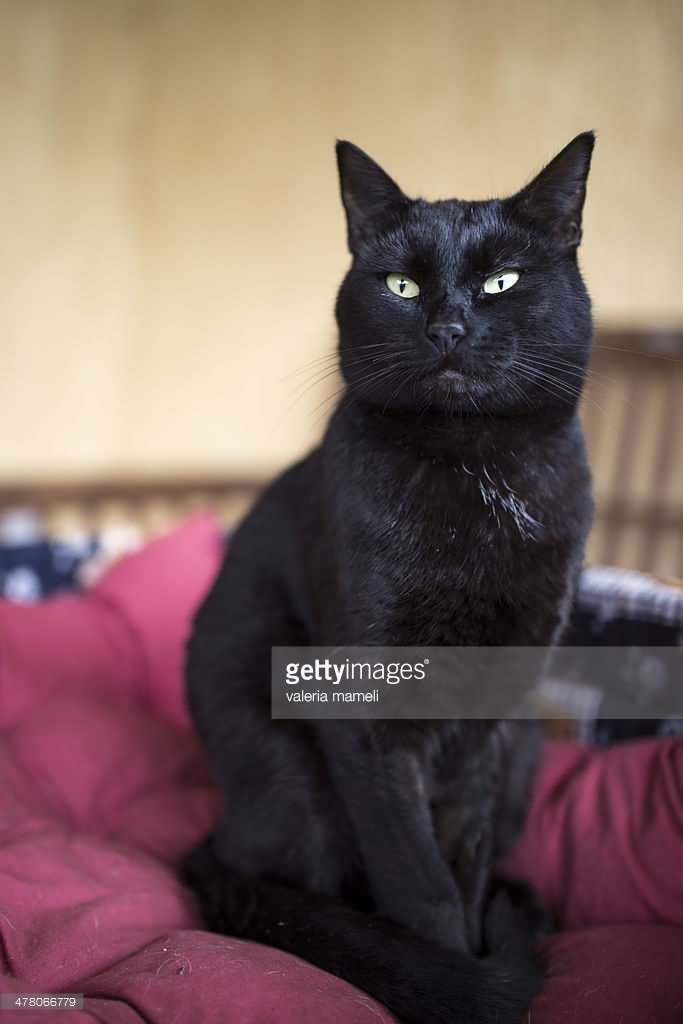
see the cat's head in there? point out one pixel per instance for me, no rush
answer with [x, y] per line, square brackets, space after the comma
[461, 307]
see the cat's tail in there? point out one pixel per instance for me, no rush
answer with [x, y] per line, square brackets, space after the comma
[420, 982]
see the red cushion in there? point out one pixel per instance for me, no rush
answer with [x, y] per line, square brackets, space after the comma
[104, 787]
[603, 843]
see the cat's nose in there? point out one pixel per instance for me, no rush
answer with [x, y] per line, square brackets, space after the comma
[445, 336]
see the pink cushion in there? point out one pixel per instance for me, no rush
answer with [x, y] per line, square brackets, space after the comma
[619, 974]
[603, 843]
[104, 787]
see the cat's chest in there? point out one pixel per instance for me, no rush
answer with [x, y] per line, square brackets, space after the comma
[474, 548]
[439, 556]
[445, 521]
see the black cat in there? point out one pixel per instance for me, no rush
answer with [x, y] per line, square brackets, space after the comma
[448, 504]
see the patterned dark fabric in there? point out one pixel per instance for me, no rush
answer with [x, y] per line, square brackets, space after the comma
[618, 607]
[31, 571]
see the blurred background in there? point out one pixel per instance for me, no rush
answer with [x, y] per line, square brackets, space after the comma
[172, 236]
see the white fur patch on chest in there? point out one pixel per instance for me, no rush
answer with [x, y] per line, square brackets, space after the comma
[501, 499]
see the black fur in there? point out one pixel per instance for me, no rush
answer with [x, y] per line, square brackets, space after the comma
[448, 504]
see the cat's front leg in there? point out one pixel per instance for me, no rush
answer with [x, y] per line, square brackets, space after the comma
[382, 789]
[466, 838]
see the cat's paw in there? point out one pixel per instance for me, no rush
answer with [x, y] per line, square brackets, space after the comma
[495, 990]
[441, 923]
[514, 916]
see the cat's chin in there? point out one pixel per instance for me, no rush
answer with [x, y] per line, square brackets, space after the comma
[453, 380]
[453, 390]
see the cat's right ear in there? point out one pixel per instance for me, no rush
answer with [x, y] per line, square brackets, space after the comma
[368, 194]
[554, 199]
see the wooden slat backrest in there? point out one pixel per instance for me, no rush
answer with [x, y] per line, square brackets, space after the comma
[633, 418]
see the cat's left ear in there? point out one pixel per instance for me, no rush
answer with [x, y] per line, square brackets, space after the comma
[368, 193]
[555, 197]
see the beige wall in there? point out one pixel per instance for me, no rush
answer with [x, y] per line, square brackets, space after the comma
[171, 232]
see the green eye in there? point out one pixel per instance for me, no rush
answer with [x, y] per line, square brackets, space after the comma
[500, 282]
[403, 286]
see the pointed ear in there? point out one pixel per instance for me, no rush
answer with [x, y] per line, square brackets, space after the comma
[368, 194]
[554, 199]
